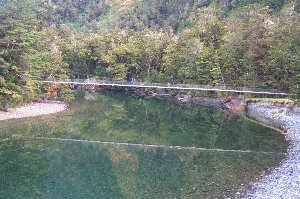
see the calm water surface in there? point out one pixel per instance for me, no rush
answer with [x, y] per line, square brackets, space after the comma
[71, 166]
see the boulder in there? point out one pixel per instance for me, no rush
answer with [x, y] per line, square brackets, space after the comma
[235, 104]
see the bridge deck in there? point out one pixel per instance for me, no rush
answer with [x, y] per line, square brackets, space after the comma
[171, 86]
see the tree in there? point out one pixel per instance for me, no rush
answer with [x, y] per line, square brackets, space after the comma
[125, 56]
[18, 37]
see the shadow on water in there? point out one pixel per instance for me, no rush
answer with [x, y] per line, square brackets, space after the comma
[81, 168]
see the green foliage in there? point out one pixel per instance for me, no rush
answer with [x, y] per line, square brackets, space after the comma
[26, 51]
[296, 78]
[17, 38]
[138, 15]
[275, 100]
[275, 4]
[252, 43]
[78, 13]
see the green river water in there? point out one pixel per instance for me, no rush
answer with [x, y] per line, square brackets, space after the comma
[229, 151]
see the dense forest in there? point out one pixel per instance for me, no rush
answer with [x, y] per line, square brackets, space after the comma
[252, 43]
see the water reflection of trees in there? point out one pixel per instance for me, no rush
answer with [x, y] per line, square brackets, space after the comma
[123, 118]
[66, 169]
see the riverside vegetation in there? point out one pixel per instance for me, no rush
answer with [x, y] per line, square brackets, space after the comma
[238, 43]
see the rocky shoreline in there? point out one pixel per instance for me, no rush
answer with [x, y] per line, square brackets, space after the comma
[33, 109]
[234, 104]
[284, 180]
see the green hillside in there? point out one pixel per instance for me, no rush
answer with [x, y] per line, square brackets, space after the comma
[221, 42]
[140, 14]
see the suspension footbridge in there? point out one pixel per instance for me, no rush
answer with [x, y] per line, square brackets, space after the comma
[195, 87]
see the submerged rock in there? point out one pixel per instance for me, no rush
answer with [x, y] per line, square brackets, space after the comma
[184, 98]
[89, 96]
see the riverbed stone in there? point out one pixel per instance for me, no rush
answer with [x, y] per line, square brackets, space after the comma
[284, 180]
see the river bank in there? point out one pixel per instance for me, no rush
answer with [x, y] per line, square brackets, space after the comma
[234, 104]
[283, 181]
[33, 109]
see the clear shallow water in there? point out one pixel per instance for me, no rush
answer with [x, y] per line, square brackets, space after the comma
[41, 168]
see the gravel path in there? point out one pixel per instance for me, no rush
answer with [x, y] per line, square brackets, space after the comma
[33, 109]
[284, 181]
